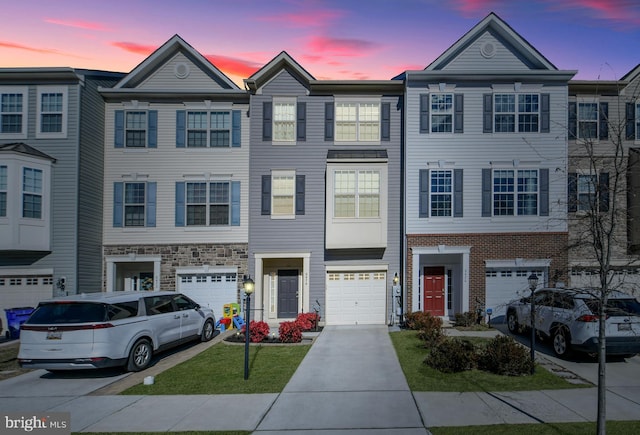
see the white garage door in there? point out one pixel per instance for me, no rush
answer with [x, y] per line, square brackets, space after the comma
[22, 291]
[504, 285]
[213, 290]
[356, 298]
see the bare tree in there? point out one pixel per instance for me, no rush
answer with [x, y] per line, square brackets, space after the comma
[600, 202]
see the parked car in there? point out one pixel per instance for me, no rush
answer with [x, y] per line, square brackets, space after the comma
[570, 318]
[96, 330]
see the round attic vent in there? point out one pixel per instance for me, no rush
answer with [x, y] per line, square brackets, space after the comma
[488, 50]
[181, 70]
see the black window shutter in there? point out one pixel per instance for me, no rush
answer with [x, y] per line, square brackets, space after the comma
[301, 122]
[486, 193]
[545, 113]
[385, 133]
[458, 108]
[573, 120]
[266, 195]
[267, 117]
[424, 113]
[300, 194]
[631, 121]
[604, 120]
[328, 121]
[543, 208]
[424, 194]
[457, 193]
[572, 192]
[487, 116]
[603, 191]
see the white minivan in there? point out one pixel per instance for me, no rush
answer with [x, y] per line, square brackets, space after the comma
[96, 330]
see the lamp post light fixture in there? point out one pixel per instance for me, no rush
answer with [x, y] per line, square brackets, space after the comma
[533, 283]
[248, 285]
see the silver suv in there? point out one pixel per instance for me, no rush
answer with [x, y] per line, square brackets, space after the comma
[569, 317]
[97, 330]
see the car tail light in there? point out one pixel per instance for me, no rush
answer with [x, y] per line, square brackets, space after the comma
[589, 318]
[26, 327]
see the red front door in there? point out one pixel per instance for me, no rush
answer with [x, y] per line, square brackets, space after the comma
[434, 290]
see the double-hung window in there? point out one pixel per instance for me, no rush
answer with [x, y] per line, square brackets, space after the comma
[136, 129]
[515, 192]
[283, 191]
[441, 113]
[356, 194]
[284, 120]
[134, 204]
[588, 120]
[637, 121]
[3, 191]
[209, 129]
[357, 121]
[516, 113]
[586, 190]
[441, 192]
[32, 193]
[208, 203]
[13, 112]
[52, 112]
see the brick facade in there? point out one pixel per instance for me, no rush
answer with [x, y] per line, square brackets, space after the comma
[175, 256]
[494, 246]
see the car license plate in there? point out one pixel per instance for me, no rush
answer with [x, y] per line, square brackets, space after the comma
[54, 335]
[624, 326]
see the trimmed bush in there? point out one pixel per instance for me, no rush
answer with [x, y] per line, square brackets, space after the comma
[452, 355]
[419, 320]
[258, 331]
[290, 332]
[466, 319]
[504, 356]
[431, 337]
[308, 321]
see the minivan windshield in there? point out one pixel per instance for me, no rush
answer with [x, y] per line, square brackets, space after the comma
[68, 312]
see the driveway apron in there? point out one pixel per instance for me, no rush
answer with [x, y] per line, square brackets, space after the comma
[350, 379]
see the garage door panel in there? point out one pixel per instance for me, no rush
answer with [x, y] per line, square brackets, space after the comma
[505, 285]
[211, 290]
[355, 298]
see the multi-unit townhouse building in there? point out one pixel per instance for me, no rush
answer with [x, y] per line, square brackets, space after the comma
[485, 179]
[51, 175]
[325, 201]
[176, 182]
[604, 177]
[454, 183]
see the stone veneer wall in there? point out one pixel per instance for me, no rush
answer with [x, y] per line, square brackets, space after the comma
[174, 256]
[495, 246]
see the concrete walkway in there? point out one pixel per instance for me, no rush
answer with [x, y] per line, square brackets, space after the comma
[349, 382]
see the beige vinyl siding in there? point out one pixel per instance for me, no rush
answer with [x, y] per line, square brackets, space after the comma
[473, 150]
[167, 165]
[165, 77]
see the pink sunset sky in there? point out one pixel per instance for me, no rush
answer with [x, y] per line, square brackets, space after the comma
[332, 39]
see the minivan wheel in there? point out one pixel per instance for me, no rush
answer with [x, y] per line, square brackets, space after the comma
[140, 355]
[561, 341]
[207, 330]
[512, 322]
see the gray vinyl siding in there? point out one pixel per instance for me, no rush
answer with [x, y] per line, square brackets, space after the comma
[306, 233]
[165, 77]
[505, 59]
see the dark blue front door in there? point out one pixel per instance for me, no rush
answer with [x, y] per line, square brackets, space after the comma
[287, 294]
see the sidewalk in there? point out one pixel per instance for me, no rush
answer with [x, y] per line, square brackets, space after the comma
[349, 382]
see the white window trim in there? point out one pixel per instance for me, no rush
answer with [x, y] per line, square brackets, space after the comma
[588, 100]
[451, 112]
[450, 170]
[514, 193]
[206, 180]
[25, 110]
[285, 100]
[516, 112]
[358, 100]
[284, 173]
[65, 109]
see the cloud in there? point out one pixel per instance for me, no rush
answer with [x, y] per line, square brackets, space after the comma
[86, 25]
[233, 66]
[13, 45]
[136, 48]
[472, 7]
[625, 12]
[340, 46]
[315, 18]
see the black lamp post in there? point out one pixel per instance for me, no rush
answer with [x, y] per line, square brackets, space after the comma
[533, 283]
[248, 286]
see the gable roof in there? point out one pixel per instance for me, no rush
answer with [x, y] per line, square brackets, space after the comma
[165, 52]
[23, 148]
[496, 25]
[273, 67]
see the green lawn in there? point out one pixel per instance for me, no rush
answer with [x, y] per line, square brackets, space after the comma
[613, 428]
[420, 377]
[220, 370]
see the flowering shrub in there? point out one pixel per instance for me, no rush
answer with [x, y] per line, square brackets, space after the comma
[257, 331]
[290, 332]
[419, 320]
[307, 321]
